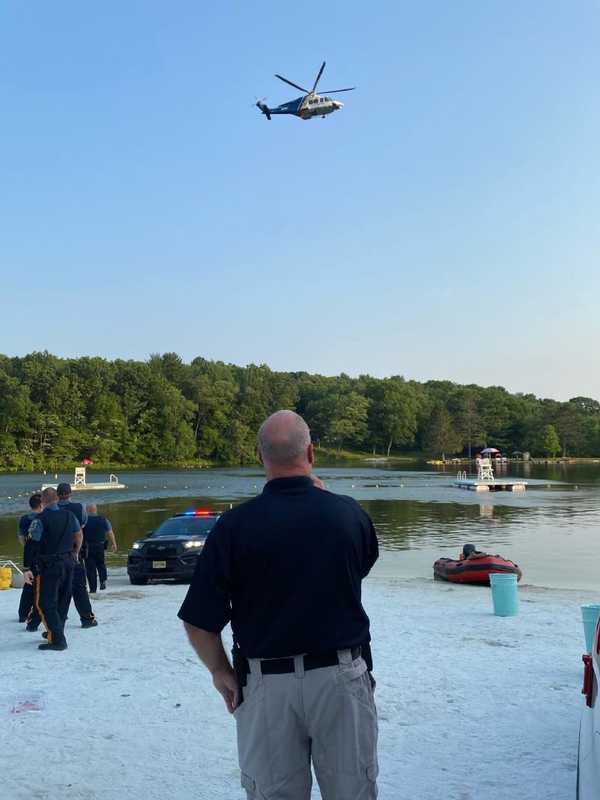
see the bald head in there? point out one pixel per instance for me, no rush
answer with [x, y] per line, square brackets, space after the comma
[284, 445]
[49, 496]
[91, 507]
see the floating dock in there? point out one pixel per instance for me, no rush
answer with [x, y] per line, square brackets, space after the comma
[486, 481]
[475, 485]
[80, 485]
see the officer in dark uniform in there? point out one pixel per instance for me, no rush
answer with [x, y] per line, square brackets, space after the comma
[26, 603]
[95, 535]
[285, 568]
[79, 583]
[56, 538]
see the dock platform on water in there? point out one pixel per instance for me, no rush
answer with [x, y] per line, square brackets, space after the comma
[486, 481]
[80, 485]
[504, 485]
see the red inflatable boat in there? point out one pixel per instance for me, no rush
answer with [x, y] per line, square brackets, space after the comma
[474, 568]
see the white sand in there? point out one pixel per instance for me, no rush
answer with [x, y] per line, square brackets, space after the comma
[471, 706]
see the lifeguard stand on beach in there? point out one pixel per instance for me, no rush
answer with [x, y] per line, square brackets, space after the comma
[79, 479]
[484, 469]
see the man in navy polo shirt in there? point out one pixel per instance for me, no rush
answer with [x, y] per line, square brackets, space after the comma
[56, 538]
[81, 597]
[285, 568]
[26, 604]
[96, 534]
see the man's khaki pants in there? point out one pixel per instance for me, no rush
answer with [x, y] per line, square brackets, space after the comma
[324, 715]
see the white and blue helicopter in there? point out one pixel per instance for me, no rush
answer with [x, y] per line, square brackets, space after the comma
[309, 105]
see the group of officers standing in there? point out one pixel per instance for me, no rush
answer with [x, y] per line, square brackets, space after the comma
[64, 551]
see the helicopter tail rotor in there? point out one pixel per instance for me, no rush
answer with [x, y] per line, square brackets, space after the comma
[263, 107]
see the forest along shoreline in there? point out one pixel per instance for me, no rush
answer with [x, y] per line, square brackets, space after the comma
[56, 412]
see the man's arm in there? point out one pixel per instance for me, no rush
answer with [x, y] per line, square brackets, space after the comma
[209, 647]
[371, 548]
[22, 531]
[36, 529]
[110, 535]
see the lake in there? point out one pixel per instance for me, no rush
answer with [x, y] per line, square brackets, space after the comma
[552, 530]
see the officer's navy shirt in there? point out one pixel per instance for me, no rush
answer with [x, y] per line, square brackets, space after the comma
[25, 522]
[75, 508]
[285, 568]
[24, 525]
[96, 529]
[52, 530]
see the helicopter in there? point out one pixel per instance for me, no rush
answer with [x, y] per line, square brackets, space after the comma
[309, 105]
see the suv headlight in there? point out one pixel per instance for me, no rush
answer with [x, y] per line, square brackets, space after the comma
[189, 545]
[136, 546]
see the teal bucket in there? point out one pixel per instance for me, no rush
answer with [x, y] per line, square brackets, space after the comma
[589, 615]
[505, 596]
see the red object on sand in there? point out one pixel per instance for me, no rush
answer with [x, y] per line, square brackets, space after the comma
[475, 569]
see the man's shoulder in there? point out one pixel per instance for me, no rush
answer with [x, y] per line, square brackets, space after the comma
[239, 513]
[342, 499]
[246, 511]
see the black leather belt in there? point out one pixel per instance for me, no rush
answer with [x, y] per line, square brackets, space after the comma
[281, 666]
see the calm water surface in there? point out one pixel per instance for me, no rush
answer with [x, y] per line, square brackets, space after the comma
[552, 530]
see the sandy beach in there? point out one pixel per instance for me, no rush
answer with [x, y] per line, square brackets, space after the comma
[471, 706]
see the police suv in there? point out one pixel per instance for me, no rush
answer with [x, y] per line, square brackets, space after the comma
[171, 550]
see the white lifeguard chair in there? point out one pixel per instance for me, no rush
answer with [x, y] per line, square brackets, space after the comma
[484, 469]
[79, 478]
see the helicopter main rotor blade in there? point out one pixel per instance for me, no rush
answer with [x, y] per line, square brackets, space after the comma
[318, 78]
[335, 91]
[295, 85]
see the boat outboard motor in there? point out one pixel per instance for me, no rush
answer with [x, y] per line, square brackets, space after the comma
[468, 549]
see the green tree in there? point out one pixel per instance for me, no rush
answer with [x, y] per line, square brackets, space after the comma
[440, 435]
[348, 425]
[392, 413]
[569, 424]
[470, 422]
[550, 441]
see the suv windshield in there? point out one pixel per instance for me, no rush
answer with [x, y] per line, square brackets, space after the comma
[185, 526]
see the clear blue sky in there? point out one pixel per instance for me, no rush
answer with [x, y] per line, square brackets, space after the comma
[445, 224]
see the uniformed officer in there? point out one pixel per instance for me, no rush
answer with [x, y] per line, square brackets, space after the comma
[95, 535]
[79, 583]
[285, 568]
[26, 603]
[56, 539]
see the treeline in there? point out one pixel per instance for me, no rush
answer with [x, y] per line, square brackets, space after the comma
[55, 412]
